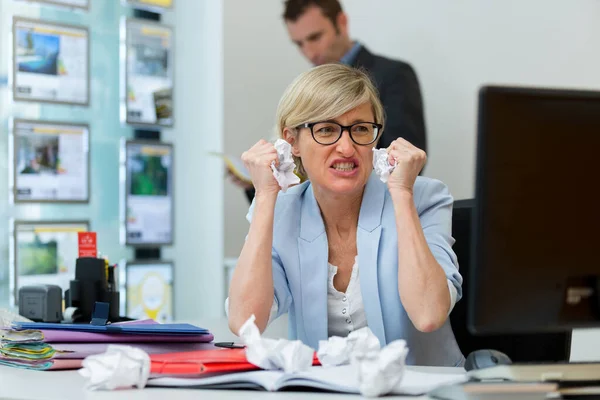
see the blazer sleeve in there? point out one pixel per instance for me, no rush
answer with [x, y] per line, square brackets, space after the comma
[403, 104]
[435, 213]
[283, 296]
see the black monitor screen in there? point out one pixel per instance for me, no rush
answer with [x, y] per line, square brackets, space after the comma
[537, 220]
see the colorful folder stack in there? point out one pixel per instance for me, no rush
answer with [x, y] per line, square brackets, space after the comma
[25, 349]
[64, 346]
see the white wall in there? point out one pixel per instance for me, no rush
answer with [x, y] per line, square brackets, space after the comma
[260, 62]
[199, 276]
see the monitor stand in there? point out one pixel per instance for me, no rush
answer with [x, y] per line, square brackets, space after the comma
[551, 372]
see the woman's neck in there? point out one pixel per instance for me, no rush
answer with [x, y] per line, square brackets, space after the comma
[340, 212]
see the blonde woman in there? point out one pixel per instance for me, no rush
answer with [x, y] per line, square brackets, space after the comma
[343, 250]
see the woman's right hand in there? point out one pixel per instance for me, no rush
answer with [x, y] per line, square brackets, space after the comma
[258, 161]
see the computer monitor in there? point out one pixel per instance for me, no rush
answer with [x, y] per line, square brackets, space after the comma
[537, 223]
[520, 347]
[147, 201]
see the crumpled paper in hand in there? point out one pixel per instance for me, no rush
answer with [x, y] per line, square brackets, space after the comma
[382, 167]
[381, 371]
[284, 172]
[288, 355]
[341, 350]
[119, 367]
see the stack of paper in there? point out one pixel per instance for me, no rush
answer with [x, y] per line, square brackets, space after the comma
[25, 349]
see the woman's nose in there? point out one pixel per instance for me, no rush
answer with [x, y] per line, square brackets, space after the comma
[345, 145]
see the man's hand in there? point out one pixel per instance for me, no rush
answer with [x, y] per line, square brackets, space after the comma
[237, 181]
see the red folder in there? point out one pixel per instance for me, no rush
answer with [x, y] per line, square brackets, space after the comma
[203, 362]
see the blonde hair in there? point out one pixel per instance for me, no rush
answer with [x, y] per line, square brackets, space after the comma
[323, 93]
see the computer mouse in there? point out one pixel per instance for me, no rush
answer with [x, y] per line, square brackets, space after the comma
[486, 358]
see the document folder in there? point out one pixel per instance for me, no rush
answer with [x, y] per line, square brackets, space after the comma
[203, 362]
[133, 329]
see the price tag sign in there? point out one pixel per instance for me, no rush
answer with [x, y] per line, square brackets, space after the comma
[87, 244]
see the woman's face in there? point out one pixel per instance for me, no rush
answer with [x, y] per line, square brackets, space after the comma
[340, 168]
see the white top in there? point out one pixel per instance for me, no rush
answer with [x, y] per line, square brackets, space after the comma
[345, 311]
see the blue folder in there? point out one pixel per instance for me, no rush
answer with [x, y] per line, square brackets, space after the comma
[134, 329]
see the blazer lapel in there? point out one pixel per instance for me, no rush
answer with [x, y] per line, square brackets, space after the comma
[313, 254]
[367, 238]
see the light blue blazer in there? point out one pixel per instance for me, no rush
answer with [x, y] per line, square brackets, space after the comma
[300, 255]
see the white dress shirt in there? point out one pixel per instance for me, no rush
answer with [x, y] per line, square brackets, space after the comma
[345, 311]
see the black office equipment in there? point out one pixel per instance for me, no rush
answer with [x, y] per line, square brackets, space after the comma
[90, 286]
[520, 347]
[41, 303]
[536, 224]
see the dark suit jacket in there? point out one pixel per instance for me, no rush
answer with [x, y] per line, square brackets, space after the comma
[400, 94]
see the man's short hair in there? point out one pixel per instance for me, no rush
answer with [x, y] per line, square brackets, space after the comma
[295, 8]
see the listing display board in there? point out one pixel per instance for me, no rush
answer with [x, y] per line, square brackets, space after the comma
[147, 174]
[80, 4]
[149, 290]
[50, 161]
[147, 91]
[151, 5]
[44, 253]
[50, 62]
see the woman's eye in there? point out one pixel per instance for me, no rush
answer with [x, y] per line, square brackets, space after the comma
[361, 129]
[325, 131]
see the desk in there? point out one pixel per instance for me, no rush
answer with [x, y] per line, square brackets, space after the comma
[69, 385]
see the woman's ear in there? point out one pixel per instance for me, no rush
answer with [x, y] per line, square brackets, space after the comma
[291, 137]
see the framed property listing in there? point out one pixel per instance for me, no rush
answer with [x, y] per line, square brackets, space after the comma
[151, 5]
[50, 161]
[147, 205]
[50, 62]
[79, 4]
[147, 73]
[149, 290]
[43, 252]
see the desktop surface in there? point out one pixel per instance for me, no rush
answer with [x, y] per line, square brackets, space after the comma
[69, 385]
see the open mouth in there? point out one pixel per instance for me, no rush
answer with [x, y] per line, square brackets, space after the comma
[345, 166]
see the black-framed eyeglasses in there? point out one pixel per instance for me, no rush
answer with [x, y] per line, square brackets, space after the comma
[329, 132]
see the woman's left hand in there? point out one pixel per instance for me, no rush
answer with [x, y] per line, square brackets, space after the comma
[409, 161]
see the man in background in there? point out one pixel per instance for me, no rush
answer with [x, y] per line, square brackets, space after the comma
[320, 30]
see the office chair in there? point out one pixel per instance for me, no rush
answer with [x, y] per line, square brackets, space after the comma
[546, 347]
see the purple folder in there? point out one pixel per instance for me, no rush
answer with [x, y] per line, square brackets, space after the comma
[66, 336]
[82, 350]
